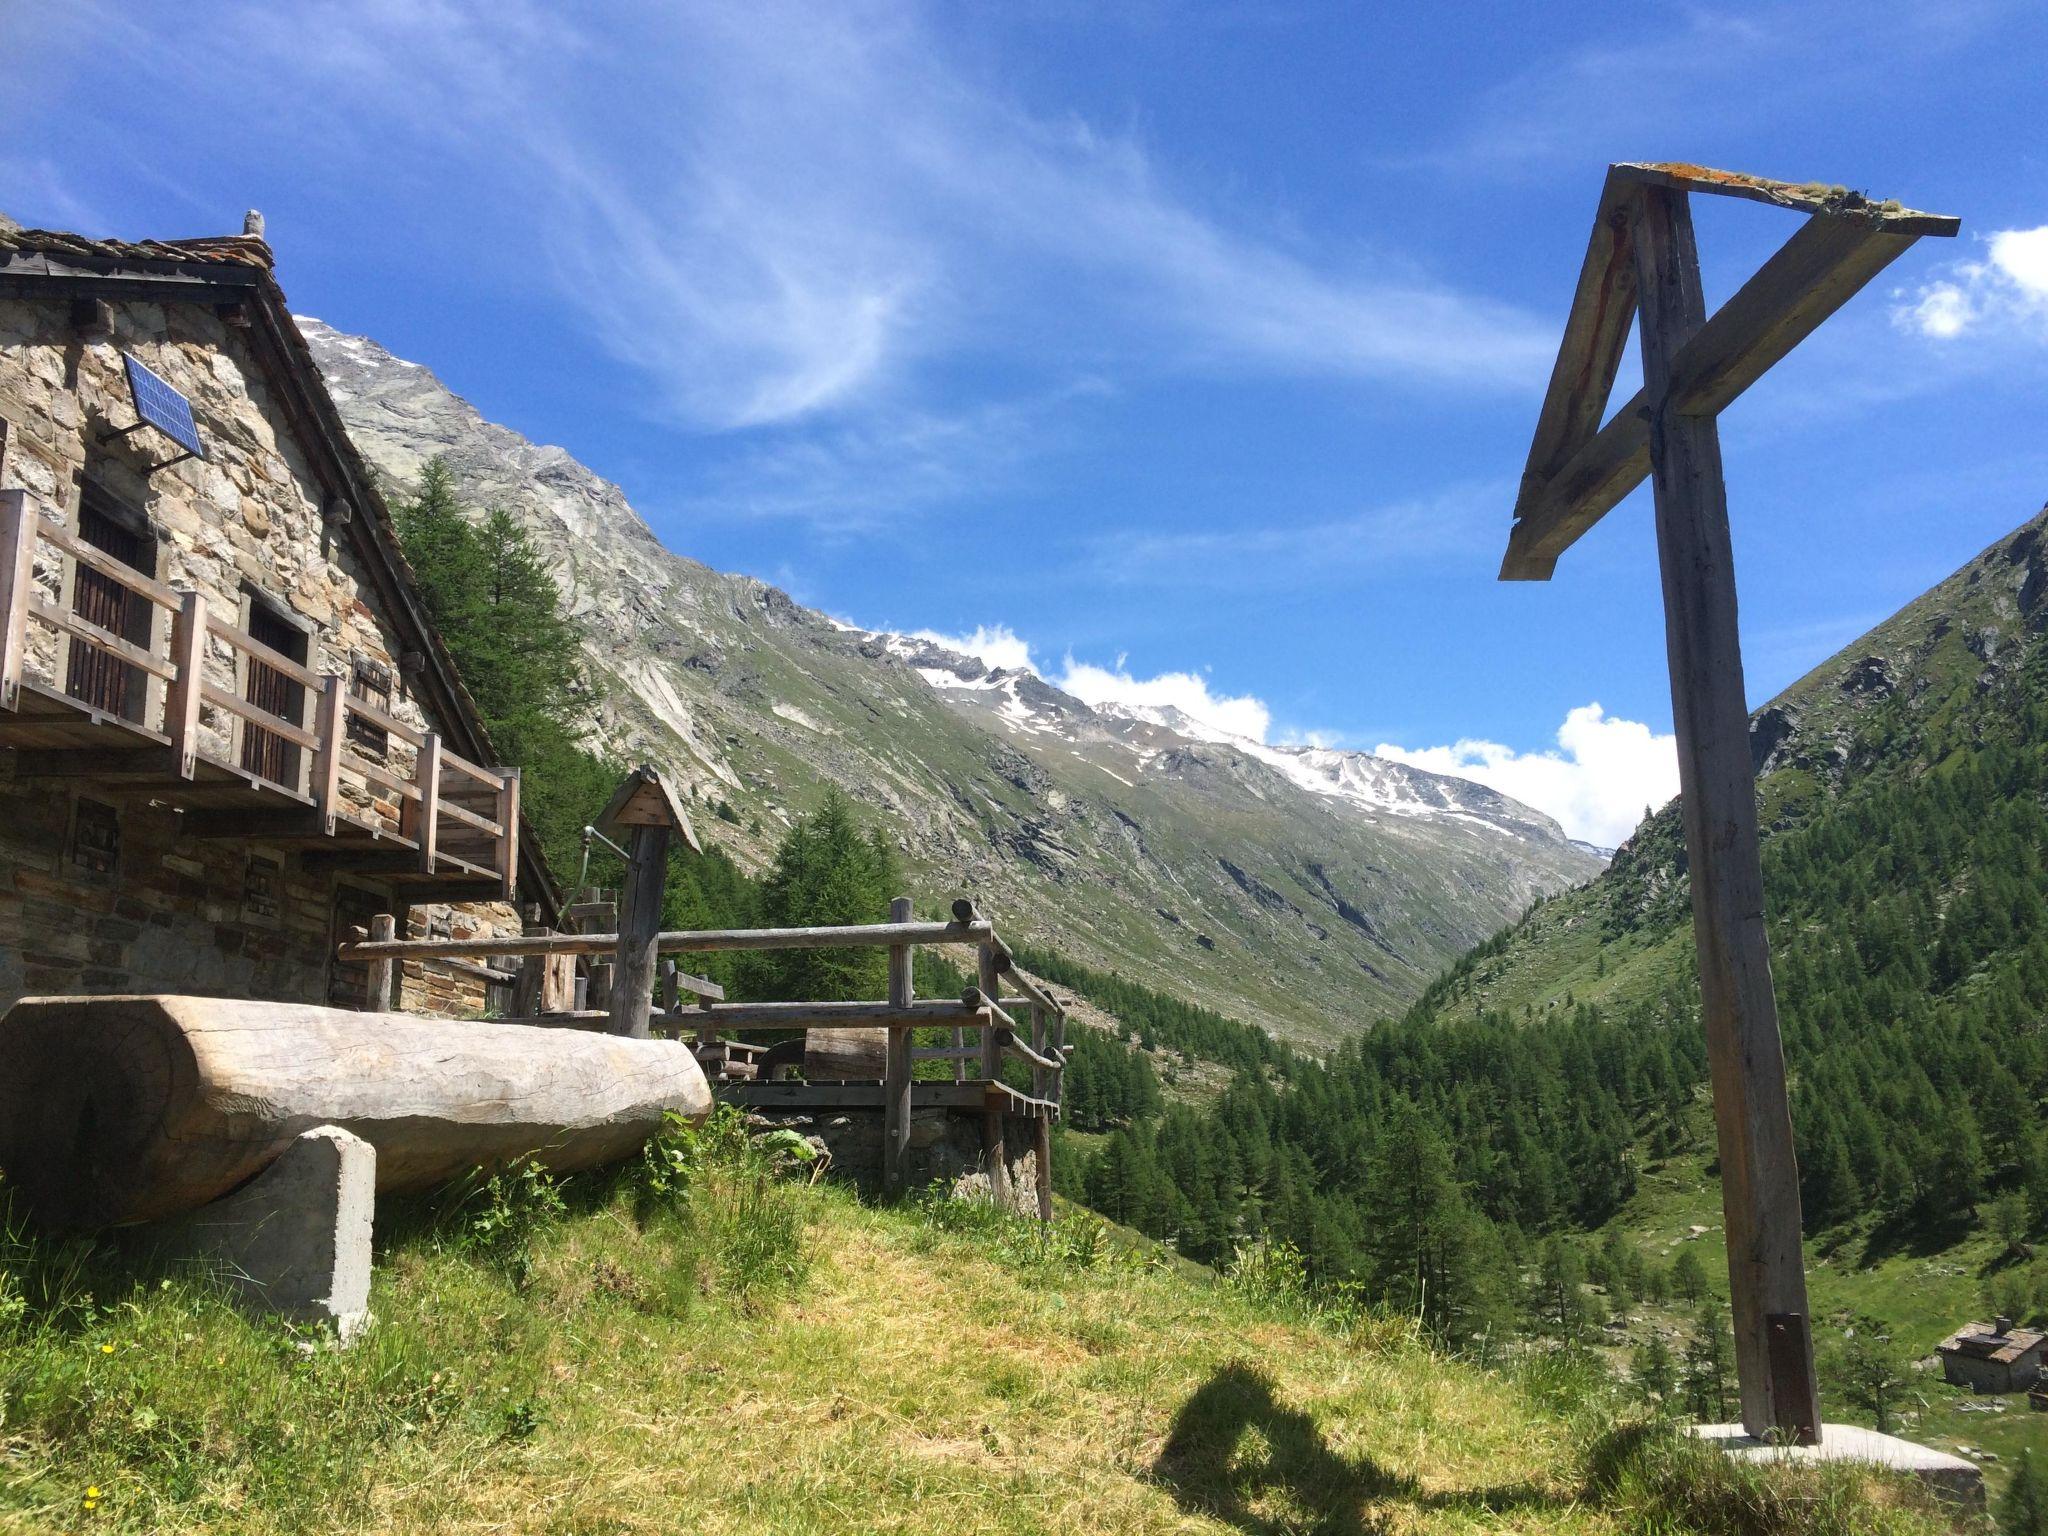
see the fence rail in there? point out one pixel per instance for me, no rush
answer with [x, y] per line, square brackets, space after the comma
[1031, 1029]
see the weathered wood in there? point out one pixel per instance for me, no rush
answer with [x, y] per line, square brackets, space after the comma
[922, 1013]
[1752, 1113]
[639, 929]
[896, 1067]
[998, 1158]
[181, 697]
[423, 823]
[1838, 202]
[1811, 276]
[532, 978]
[1041, 1156]
[508, 837]
[851, 936]
[124, 1109]
[382, 975]
[846, 1055]
[328, 727]
[645, 799]
[1011, 1042]
[17, 580]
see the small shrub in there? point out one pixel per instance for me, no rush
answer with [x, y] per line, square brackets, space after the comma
[499, 1215]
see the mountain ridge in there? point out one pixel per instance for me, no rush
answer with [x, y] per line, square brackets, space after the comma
[1187, 859]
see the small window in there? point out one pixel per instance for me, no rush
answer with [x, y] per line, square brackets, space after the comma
[95, 676]
[369, 682]
[260, 890]
[96, 837]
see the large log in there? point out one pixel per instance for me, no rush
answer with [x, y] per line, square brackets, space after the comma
[846, 1055]
[124, 1109]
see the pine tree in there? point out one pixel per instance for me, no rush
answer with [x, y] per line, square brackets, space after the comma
[1709, 1360]
[828, 872]
[1559, 1301]
[2023, 1509]
[1688, 1278]
[1653, 1371]
[1872, 1374]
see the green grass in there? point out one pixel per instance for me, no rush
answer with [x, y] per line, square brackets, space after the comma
[703, 1344]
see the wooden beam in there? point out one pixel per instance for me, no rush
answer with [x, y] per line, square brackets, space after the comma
[147, 766]
[896, 1075]
[425, 812]
[1595, 334]
[181, 699]
[1811, 276]
[218, 823]
[992, 1130]
[381, 983]
[330, 727]
[1752, 1111]
[1837, 202]
[700, 941]
[639, 928]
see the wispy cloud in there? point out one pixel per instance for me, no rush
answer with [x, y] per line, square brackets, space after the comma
[1597, 782]
[779, 208]
[1458, 521]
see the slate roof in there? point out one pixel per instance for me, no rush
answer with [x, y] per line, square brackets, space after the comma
[229, 268]
[1983, 1341]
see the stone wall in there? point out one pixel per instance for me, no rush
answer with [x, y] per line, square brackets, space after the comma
[945, 1148]
[164, 912]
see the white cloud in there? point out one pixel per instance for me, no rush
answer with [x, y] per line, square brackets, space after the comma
[1188, 692]
[997, 645]
[2006, 293]
[1596, 784]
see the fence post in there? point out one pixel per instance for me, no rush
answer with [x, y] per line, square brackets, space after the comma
[991, 980]
[896, 1072]
[377, 991]
[329, 726]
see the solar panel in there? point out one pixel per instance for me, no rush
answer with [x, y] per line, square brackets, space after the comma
[163, 407]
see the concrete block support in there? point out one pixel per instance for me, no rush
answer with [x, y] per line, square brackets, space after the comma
[1949, 1476]
[295, 1240]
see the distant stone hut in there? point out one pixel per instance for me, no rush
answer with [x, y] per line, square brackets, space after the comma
[1992, 1357]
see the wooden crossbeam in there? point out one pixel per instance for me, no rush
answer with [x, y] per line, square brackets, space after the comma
[1803, 197]
[1811, 276]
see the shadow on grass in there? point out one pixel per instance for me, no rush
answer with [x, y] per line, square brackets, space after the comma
[1915, 1236]
[1235, 1446]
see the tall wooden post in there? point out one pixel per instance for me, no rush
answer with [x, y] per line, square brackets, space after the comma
[646, 811]
[377, 998]
[896, 1070]
[1752, 1113]
[991, 983]
[639, 927]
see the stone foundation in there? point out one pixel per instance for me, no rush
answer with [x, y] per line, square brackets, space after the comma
[945, 1148]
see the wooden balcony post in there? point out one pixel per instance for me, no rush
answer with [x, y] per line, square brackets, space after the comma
[330, 726]
[17, 575]
[427, 778]
[896, 1070]
[188, 677]
[377, 993]
[991, 982]
[508, 841]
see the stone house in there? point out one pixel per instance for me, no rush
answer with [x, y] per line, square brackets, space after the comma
[229, 734]
[1992, 1357]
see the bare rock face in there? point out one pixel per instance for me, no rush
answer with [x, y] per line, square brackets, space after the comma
[995, 782]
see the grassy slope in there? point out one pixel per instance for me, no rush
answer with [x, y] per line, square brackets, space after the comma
[916, 1371]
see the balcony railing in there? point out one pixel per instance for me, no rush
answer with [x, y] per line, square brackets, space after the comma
[80, 700]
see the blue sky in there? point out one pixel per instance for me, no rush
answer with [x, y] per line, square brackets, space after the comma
[1192, 349]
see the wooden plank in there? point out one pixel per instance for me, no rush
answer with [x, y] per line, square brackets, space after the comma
[923, 1013]
[379, 774]
[462, 765]
[992, 1130]
[1837, 202]
[1810, 277]
[256, 715]
[711, 940]
[272, 658]
[1014, 1045]
[1752, 1113]
[17, 585]
[98, 638]
[330, 728]
[390, 724]
[897, 1076]
[1595, 335]
[99, 560]
[468, 818]
[188, 664]
[426, 826]
[508, 837]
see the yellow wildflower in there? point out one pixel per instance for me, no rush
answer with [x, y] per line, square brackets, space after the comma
[106, 1349]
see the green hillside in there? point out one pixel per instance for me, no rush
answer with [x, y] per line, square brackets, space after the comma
[705, 1343]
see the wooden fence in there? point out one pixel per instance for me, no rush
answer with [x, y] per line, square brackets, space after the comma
[1029, 1027]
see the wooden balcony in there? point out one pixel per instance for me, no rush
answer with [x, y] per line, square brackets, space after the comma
[285, 756]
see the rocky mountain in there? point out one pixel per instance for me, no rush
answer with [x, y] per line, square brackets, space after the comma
[1303, 888]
